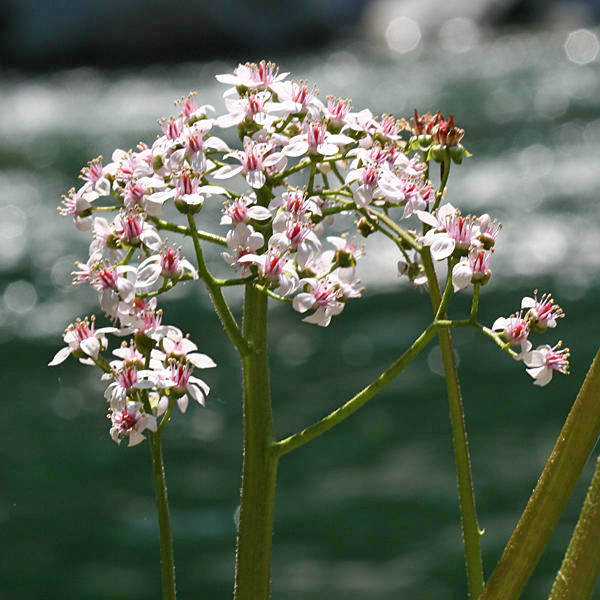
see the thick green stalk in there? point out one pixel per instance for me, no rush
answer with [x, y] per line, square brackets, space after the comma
[581, 565]
[253, 555]
[343, 412]
[468, 512]
[555, 485]
[167, 562]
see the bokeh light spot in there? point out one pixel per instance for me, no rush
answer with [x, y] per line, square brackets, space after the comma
[20, 297]
[582, 46]
[459, 35]
[403, 35]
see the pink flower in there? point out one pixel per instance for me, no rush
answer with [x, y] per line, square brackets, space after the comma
[544, 360]
[112, 286]
[172, 128]
[336, 112]
[185, 383]
[275, 266]
[84, 340]
[324, 296]
[388, 128]
[129, 422]
[316, 140]
[255, 159]
[450, 230]
[254, 107]
[96, 177]
[78, 204]
[167, 263]
[242, 241]
[474, 269]
[515, 330]
[296, 98]
[296, 203]
[244, 209]
[189, 108]
[543, 312]
[252, 76]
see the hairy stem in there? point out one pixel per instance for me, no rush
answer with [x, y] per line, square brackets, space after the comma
[167, 562]
[216, 295]
[468, 512]
[555, 485]
[343, 412]
[257, 499]
[581, 565]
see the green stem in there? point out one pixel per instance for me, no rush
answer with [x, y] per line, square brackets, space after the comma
[573, 446]
[263, 289]
[105, 208]
[338, 175]
[161, 224]
[166, 416]
[343, 412]
[475, 302]
[231, 282]
[581, 565]
[164, 522]
[311, 179]
[399, 231]
[470, 526]
[216, 295]
[253, 555]
[128, 256]
[443, 303]
[299, 167]
[445, 168]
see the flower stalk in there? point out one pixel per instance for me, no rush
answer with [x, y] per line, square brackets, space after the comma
[167, 561]
[257, 498]
[468, 511]
[343, 412]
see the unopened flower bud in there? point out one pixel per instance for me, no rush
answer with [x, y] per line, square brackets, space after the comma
[424, 141]
[144, 343]
[365, 227]
[187, 209]
[157, 163]
[481, 278]
[112, 241]
[402, 267]
[456, 154]
[439, 153]
[345, 259]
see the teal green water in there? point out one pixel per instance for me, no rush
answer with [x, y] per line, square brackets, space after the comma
[369, 511]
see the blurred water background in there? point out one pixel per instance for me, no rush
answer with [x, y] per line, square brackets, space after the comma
[369, 511]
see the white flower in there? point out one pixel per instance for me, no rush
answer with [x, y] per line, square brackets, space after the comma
[83, 339]
[255, 158]
[543, 312]
[181, 349]
[316, 140]
[515, 330]
[241, 241]
[131, 421]
[544, 360]
[252, 76]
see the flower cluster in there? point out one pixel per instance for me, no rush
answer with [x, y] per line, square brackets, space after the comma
[356, 166]
[147, 376]
[276, 229]
[536, 316]
[467, 239]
